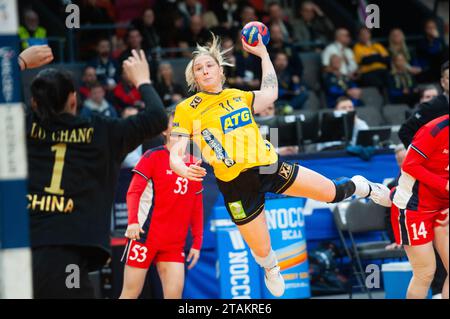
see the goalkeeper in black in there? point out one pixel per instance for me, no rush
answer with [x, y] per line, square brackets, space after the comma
[73, 164]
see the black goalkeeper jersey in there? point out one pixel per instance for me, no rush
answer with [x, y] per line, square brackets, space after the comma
[73, 165]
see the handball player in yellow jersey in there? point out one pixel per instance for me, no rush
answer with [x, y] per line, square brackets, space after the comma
[221, 123]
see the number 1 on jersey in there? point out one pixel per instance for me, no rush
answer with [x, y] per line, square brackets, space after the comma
[55, 184]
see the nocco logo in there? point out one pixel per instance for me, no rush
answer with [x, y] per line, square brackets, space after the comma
[288, 220]
[239, 267]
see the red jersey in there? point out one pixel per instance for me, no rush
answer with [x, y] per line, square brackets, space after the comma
[163, 203]
[424, 173]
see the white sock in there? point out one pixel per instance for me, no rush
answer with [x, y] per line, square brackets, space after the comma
[267, 262]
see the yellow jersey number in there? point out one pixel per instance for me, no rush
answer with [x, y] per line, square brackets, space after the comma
[55, 184]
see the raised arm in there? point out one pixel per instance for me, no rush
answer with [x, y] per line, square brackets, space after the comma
[127, 134]
[269, 84]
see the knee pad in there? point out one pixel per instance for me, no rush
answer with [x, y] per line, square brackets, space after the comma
[344, 189]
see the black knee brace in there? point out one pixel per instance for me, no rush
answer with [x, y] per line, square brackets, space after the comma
[344, 189]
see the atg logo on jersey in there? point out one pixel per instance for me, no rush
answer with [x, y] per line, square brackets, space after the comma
[235, 119]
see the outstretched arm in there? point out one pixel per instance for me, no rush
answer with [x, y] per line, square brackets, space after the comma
[177, 154]
[269, 84]
[35, 56]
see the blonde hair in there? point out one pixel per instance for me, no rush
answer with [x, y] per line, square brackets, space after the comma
[403, 47]
[212, 49]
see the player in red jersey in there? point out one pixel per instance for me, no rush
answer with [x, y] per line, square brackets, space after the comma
[418, 202]
[419, 205]
[161, 207]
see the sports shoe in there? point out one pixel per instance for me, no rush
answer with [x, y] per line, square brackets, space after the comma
[274, 281]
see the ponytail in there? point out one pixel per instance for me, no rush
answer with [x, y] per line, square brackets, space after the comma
[50, 91]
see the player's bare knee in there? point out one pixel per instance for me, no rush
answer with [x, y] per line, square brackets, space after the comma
[425, 273]
[262, 251]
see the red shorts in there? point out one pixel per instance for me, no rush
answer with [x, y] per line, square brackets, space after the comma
[414, 228]
[141, 255]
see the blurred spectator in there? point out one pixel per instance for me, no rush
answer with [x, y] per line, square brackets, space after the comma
[340, 47]
[312, 25]
[397, 44]
[125, 94]
[402, 86]
[88, 79]
[190, 8]
[248, 69]
[133, 157]
[247, 15]
[118, 47]
[428, 93]
[344, 104]
[97, 104]
[196, 34]
[106, 68]
[431, 52]
[146, 25]
[277, 44]
[134, 40]
[170, 92]
[372, 59]
[277, 16]
[290, 88]
[31, 33]
[338, 84]
[227, 13]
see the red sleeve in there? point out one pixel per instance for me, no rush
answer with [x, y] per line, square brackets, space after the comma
[135, 190]
[197, 221]
[141, 176]
[419, 152]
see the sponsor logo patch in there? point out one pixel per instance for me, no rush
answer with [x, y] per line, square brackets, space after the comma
[285, 170]
[195, 102]
[237, 210]
[236, 119]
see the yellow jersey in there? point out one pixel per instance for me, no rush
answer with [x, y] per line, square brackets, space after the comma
[223, 127]
[362, 51]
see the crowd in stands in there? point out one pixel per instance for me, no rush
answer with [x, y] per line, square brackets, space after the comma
[348, 63]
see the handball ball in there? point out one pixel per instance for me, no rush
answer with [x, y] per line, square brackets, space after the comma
[250, 33]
